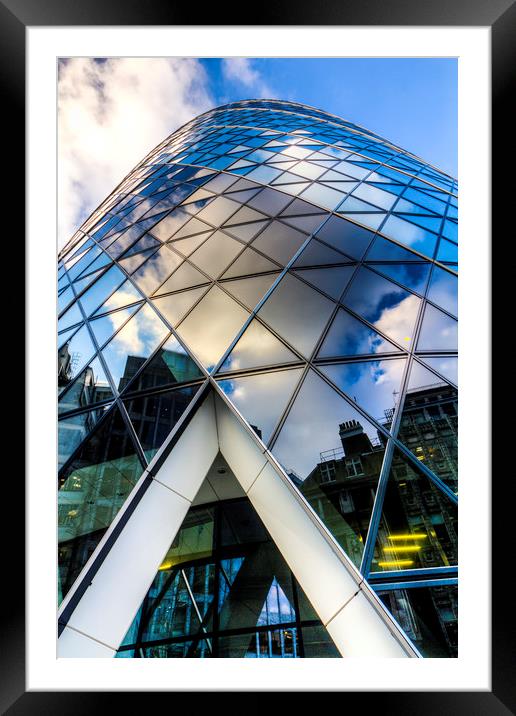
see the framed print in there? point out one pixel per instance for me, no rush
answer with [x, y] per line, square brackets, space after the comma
[259, 431]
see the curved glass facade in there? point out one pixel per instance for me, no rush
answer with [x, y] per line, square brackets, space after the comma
[307, 268]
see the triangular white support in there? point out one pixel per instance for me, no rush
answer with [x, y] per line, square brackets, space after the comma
[347, 606]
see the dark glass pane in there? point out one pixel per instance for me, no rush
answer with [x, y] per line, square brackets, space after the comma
[387, 306]
[429, 423]
[353, 240]
[154, 416]
[418, 526]
[428, 616]
[297, 312]
[91, 387]
[332, 281]
[279, 241]
[269, 201]
[317, 643]
[73, 429]
[216, 253]
[385, 250]
[92, 489]
[317, 254]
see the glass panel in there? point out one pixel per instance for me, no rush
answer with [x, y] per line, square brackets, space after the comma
[183, 277]
[65, 298]
[262, 398]
[269, 201]
[73, 429]
[72, 316]
[218, 211]
[445, 366]
[174, 307]
[171, 364]
[188, 246]
[209, 329]
[91, 387]
[443, 290]
[125, 295]
[156, 269]
[72, 356]
[91, 491]
[103, 328]
[297, 312]
[418, 526]
[345, 236]
[246, 232]
[170, 224]
[385, 250]
[279, 241]
[428, 616]
[334, 456]
[323, 196]
[438, 331]
[332, 281]
[250, 290]
[249, 262]
[222, 568]
[387, 306]
[216, 253]
[348, 337]
[448, 252]
[411, 235]
[101, 289]
[257, 347]
[131, 263]
[194, 226]
[429, 423]
[317, 254]
[154, 416]
[374, 385]
[413, 276]
[133, 344]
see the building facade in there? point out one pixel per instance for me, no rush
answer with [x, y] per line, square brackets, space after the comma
[297, 274]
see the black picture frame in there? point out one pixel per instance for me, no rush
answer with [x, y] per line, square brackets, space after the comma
[500, 16]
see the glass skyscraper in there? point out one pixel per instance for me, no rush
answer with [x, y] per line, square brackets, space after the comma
[257, 377]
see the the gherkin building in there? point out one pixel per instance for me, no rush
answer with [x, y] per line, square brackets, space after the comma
[257, 378]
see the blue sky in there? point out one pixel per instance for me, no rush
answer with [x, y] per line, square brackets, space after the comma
[112, 112]
[412, 102]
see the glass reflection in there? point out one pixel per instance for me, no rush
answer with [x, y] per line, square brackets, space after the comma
[92, 489]
[156, 269]
[72, 356]
[262, 398]
[374, 385]
[92, 386]
[388, 307]
[170, 365]
[72, 430]
[429, 424]
[297, 312]
[140, 336]
[257, 347]
[334, 456]
[443, 290]
[348, 337]
[428, 615]
[279, 241]
[216, 253]
[418, 526]
[211, 326]
[438, 331]
[353, 240]
[100, 290]
[154, 416]
[224, 590]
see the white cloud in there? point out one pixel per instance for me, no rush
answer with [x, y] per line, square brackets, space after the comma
[241, 71]
[111, 114]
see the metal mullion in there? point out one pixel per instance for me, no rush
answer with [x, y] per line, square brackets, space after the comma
[196, 608]
[416, 574]
[84, 409]
[160, 389]
[428, 583]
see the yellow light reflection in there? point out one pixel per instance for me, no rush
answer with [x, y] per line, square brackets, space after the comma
[403, 548]
[416, 535]
[397, 563]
